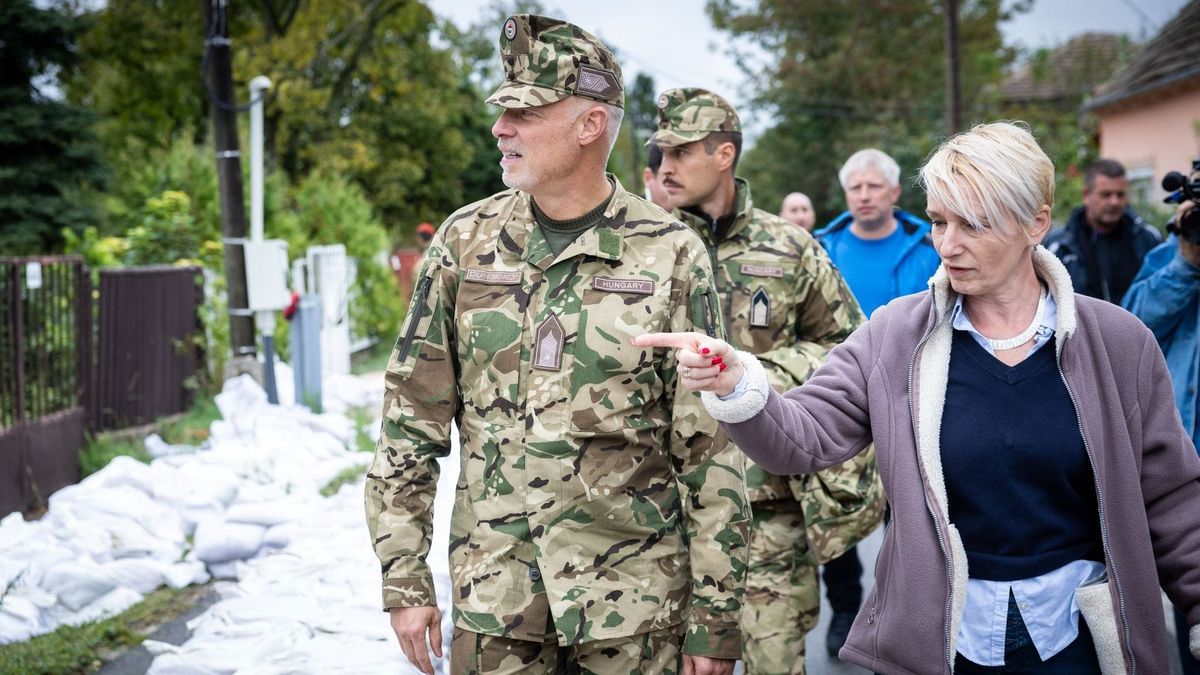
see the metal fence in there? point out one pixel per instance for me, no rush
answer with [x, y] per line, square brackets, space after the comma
[149, 344]
[45, 374]
[70, 362]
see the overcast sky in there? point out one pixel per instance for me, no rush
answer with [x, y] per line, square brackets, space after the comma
[673, 41]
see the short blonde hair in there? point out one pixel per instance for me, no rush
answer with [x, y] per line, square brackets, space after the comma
[995, 174]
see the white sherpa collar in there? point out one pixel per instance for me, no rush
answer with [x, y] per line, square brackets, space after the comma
[932, 375]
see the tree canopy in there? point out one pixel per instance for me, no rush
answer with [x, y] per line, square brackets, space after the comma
[839, 77]
[49, 160]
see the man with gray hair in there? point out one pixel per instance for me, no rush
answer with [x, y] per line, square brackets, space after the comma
[600, 516]
[883, 252]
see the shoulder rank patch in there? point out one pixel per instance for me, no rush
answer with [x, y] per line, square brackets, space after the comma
[762, 270]
[760, 309]
[548, 344]
[493, 277]
[639, 286]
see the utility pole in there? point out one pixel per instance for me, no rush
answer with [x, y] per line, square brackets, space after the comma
[229, 176]
[953, 81]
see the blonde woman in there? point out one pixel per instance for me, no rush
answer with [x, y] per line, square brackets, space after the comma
[1040, 481]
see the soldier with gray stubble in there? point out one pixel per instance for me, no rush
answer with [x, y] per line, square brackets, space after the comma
[600, 517]
[784, 301]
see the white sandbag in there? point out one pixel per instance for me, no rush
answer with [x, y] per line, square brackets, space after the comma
[217, 541]
[19, 619]
[110, 604]
[123, 470]
[140, 574]
[266, 514]
[157, 447]
[185, 573]
[225, 570]
[78, 583]
[279, 536]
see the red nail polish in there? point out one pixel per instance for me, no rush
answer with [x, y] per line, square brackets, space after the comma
[723, 367]
[716, 360]
[704, 351]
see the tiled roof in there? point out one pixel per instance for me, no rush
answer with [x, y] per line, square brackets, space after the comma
[1070, 71]
[1171, 57]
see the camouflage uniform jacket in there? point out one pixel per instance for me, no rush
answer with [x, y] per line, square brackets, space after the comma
[591, 492]
[783, 300]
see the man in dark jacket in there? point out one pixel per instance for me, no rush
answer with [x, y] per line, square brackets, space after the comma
[1104, 242]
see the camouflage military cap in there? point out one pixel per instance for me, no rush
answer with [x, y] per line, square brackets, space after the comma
[690, 114]
[547, 60]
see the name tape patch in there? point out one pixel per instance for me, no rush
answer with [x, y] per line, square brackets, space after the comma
[762, 271]
[493, 277]
[639, 286]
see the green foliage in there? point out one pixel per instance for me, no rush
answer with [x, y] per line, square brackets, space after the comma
[98, 452]
[839, 79]
[82, 649]
[331, 210]
[49, 160]
[190, 428]
[348, 475]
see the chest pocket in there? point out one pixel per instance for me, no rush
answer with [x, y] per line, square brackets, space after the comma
[490, 324]
[758, 299]
[611, 380]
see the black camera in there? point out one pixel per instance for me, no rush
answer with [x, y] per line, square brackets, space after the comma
[1181, 189]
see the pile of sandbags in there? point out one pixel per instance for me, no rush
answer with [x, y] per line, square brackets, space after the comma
[131, 527]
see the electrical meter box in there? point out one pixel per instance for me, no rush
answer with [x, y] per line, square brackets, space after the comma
[267, 275]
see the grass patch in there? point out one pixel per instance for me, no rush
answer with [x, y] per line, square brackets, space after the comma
[190, 428]
[371, 360]
[193, 427]
[98, 452]
[362, 418]
[84, 649]
[348, 475]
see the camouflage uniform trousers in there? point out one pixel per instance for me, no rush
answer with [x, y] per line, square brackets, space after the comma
[783, 600]
[658, 652]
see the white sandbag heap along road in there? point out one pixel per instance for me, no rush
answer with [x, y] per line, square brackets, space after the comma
[302, 584]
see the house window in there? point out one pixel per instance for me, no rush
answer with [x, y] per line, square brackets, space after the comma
[1142, 188]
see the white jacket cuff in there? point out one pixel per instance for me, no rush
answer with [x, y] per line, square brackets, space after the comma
[750, 403]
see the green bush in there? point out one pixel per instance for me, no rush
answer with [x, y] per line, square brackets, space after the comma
[332, 210]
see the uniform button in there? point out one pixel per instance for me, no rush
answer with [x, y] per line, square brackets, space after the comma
[534, 574]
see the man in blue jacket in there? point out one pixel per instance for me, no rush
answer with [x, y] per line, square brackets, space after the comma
[1165, 295]
[883, 253]
[1104, 242]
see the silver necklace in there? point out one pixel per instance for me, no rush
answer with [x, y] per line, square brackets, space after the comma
[1013, 342]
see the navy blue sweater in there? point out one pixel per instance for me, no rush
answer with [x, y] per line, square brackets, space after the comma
[1017, 475]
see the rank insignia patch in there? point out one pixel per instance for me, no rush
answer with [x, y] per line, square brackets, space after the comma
[760, 309]
[548, 344]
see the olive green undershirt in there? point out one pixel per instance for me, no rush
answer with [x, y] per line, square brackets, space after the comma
[560, 233]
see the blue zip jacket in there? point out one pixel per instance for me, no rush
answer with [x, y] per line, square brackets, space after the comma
[916, 262]
[1165, 295]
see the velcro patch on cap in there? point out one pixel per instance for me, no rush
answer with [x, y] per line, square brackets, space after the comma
[762, 270]
[639, 286]
[596, 82]
[493, 277]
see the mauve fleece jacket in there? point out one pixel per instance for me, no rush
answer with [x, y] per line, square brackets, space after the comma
[886, 384]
